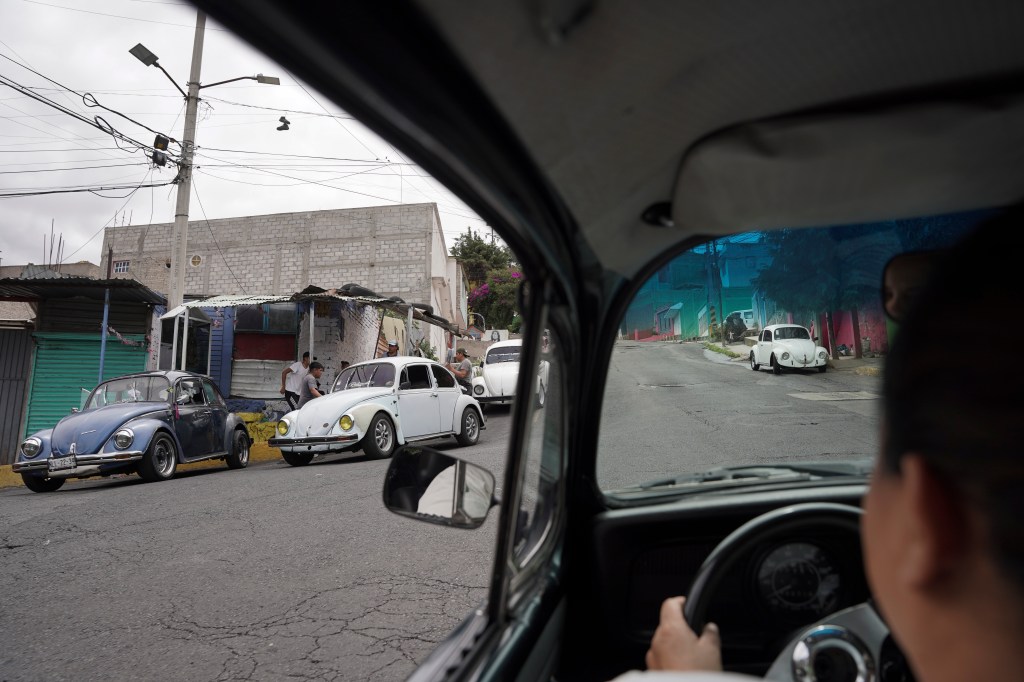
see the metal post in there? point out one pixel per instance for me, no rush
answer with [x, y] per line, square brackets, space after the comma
[179, 240]
[312, 326]
[106, 315]
[184, 340]
[174, 343]
[408, 333]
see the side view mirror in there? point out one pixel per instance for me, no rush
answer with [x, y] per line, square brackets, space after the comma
[902, 280]
[431, 486]
[74, 409]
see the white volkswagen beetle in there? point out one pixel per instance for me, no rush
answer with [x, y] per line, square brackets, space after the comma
[789, 346]
[499, 373]
[378, 405]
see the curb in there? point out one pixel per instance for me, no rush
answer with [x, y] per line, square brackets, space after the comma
[259, 452]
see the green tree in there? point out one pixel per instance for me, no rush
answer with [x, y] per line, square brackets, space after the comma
[826, 270]
[479, 257]
[495, 298]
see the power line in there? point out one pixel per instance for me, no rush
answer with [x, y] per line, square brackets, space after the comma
[200, 150]
[216, 243]
[117, 16]
[68, 257]
[279, 109]
[91, 190]
[74, 168]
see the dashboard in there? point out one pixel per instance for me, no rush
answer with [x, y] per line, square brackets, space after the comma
[777, 587]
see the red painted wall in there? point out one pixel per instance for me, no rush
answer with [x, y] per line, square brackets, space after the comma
[249, 346]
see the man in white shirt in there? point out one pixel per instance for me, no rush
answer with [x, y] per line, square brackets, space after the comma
[291, 380]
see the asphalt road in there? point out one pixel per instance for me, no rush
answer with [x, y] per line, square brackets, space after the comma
[275, 572]
[259, 574]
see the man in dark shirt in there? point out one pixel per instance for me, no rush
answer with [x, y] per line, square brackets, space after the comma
[310, 387]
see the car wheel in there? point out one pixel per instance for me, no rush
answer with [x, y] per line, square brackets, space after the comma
[379, 441]
[821, 370]
[41, 484]
[753, 365]
[776, 369]
[470, 427]
[239, 455]
[160, 460]
[298, 459]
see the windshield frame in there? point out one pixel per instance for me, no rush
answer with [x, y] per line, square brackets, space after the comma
[370, 381]
[132, 382]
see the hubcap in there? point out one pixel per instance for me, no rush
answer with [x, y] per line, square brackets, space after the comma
[471, 425]
[164, 457]
[243, 455]
[382, 436]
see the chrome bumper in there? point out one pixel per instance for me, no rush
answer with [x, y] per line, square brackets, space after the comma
[312, 440]
[85, 464]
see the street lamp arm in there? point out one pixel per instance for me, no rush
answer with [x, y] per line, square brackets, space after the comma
[269, 80]
[183, 93]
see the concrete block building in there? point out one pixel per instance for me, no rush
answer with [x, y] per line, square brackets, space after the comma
[391, 250]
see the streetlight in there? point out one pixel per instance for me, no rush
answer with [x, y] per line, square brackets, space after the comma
[179, 238]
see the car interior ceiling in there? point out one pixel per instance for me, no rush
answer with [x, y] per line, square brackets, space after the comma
[852, 137]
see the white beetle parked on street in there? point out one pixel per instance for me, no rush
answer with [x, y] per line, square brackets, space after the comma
[378, 405]
[787, 346]
[499, 373]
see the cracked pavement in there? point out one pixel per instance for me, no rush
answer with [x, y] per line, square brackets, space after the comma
[267, 573]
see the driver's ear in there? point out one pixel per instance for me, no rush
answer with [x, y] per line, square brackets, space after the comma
[938, 530]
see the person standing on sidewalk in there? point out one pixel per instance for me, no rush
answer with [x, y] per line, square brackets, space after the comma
[291, 380]
[463, 369]
[310, 387]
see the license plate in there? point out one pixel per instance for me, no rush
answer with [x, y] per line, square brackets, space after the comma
[61, 463]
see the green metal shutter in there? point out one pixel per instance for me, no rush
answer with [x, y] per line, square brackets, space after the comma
[65, 363]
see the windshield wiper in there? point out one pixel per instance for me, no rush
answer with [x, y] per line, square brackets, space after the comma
[749, 474]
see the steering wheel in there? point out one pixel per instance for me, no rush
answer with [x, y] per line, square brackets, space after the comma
[852, 645]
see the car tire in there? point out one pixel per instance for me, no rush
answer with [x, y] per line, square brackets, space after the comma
[753, 365]
[238, 458]
[41, 484]
[379, 441]
[470, 427]
[160, 461]
[776, 368]
[298, 459]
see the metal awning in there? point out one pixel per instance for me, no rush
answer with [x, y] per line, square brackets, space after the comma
[317, 294]
[42, 288]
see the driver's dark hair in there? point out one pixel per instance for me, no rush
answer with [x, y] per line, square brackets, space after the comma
[952, 392]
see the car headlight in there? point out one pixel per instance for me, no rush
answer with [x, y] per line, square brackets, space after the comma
[124, 438]
[785, 356]
[478, 389]
[31, 446]
[821, 355]
[282, 427]
[345, 422]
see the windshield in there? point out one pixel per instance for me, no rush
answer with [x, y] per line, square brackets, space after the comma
[379, 374]
[783, 333]
[689, 393]
[129, 390]
[506, 354]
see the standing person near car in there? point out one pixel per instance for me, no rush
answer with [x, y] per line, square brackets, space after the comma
[392, 351]
[462, 369]
[311, 384]
[942, 534]
[291, 380]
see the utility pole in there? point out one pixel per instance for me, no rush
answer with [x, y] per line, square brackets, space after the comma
[179, 238]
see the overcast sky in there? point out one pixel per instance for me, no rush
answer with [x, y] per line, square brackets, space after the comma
[244, 165]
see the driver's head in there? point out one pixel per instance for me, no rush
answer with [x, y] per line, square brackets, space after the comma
[944, 530]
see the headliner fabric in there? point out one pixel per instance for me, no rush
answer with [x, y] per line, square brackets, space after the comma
[609, 112]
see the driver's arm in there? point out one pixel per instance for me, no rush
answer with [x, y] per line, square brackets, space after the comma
[677, 647]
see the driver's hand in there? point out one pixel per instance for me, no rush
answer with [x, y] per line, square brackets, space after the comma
[677, 647]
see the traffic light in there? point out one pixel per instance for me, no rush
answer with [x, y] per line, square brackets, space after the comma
[159, 147]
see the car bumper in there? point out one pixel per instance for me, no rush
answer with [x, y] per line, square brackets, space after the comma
[315, 443]
[795, 363]
[495, 398]
[85, 465]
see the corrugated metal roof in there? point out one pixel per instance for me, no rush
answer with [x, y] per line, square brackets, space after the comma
[38, 289]
[316, 294]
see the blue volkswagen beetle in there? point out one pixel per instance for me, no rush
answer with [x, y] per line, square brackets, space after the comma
[146, 423]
